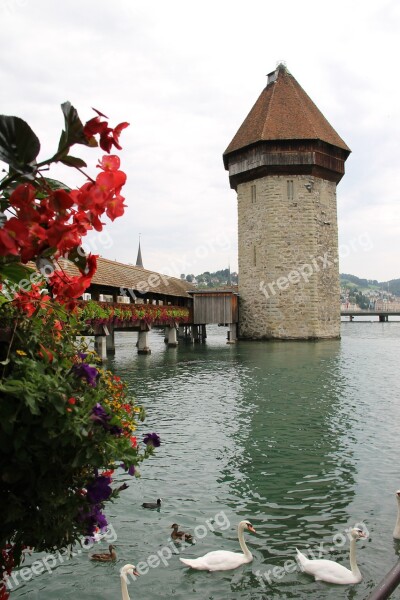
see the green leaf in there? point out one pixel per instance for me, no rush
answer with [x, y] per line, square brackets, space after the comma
[19, 145]
[73, 161]
[78, 258]
[54, 184]
[73, 133]
[15, 272]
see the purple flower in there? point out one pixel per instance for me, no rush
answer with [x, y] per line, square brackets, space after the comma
[131, 469]
[86, 372]
[93, 519]
[99, 415]
[101, 520]
[114, 430]
[99, 490]
[152, 439]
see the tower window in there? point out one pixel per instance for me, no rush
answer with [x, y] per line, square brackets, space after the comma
[253, 194]
[254, 256]
[290, 189]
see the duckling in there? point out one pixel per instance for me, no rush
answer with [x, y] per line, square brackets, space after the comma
[180, 535]
[152, 504]
[104, 556]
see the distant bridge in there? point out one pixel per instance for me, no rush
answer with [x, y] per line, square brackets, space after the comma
[383, 314]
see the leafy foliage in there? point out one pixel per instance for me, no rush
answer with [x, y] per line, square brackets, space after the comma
[19, 145]
[50, 443]
[66, 424]
[95, 313]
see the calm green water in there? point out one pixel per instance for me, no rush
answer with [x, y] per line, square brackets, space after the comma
[300, 438]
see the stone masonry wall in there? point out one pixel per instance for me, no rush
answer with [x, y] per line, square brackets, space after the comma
[288, 258]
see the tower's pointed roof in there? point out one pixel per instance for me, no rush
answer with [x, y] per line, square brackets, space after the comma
[284, 111]
[139, 261]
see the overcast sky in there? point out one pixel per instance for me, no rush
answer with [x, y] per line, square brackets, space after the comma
[185, 74]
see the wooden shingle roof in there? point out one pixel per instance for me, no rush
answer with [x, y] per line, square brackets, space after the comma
[118, 275]
[284, 111]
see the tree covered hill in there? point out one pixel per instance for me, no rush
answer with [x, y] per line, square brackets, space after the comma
[225, 277]
[351, 281]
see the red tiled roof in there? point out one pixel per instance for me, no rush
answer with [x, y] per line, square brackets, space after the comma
[284, 111]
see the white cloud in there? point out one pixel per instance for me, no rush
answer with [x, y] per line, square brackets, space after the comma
[185, 75]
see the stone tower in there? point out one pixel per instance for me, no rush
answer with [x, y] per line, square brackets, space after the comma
[284, 163]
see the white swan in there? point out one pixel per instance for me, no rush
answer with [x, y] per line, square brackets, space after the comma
[396, 532]
[223, 560]
[124, 572]
[331, 571]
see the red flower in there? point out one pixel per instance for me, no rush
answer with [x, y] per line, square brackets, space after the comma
[23, 197]
[109, 163]
[46, 353]
[65, 286]
[60, 201]
[8, 243]
[117, 133]
[107, 473]
[108, 137]
[71, 400]
[30, 301]
[91, 265]
[115, 208]
[95, 126]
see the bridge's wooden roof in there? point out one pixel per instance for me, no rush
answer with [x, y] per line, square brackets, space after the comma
[284, 111]
[111, 273]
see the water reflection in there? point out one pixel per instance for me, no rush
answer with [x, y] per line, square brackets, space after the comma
[292, 471]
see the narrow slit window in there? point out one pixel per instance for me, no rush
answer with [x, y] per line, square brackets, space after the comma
[253, 194]
[254, 256]
[290, 189]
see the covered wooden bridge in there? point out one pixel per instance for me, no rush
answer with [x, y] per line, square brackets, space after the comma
[131, 298]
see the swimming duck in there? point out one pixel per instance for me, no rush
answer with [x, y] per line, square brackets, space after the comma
[105, 556]
[180, 535]
[152, 504]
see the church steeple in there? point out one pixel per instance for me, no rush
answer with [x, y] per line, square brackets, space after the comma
[139, 260]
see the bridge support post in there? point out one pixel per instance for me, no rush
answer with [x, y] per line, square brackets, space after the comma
[203, 333]
[195, 334]
[100, 346]
[143, 342]
[232, 336]
[172, 337]
[110, 341]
